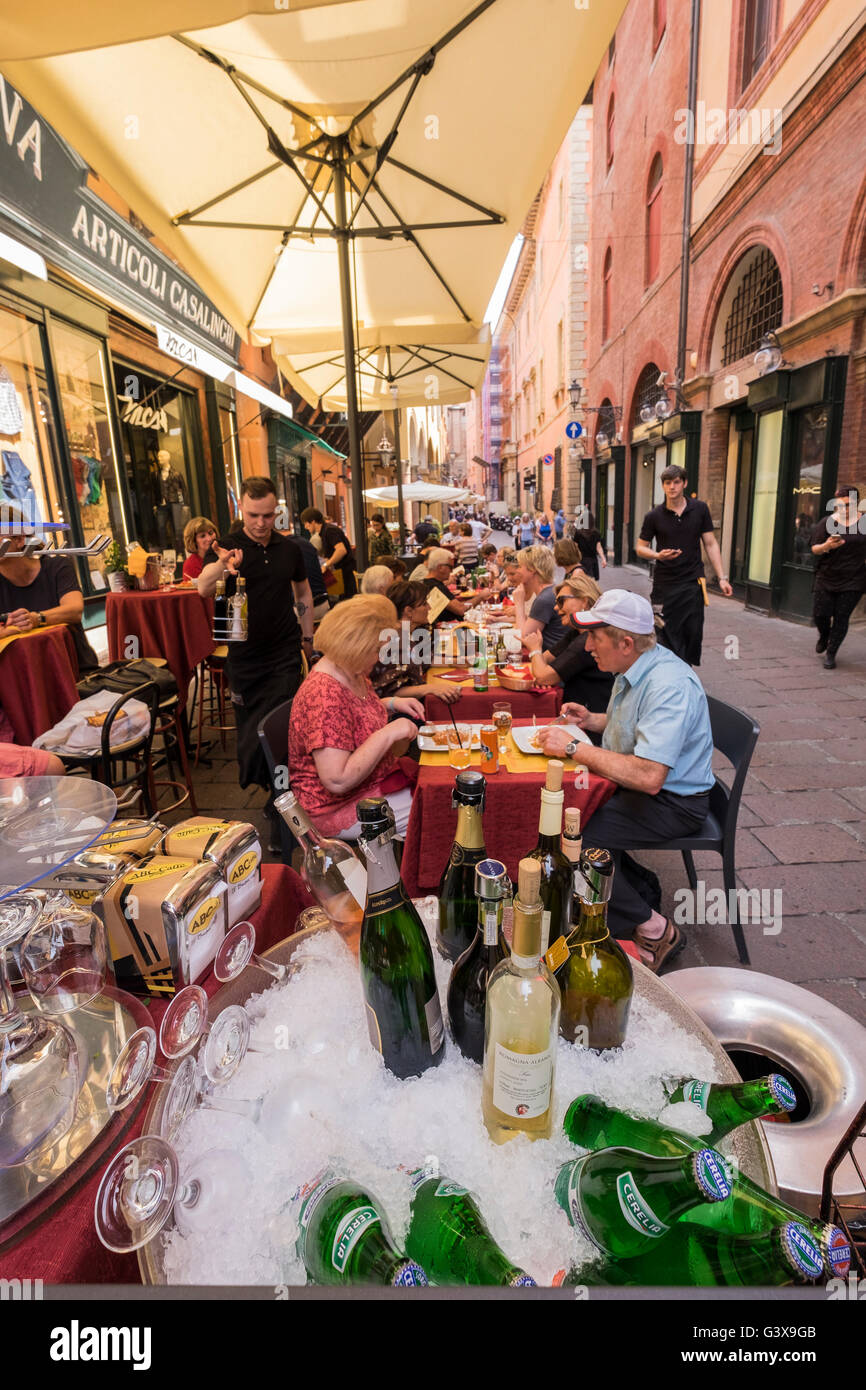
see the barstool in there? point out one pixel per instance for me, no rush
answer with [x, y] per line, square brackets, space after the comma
[214, 668]
[171, 727]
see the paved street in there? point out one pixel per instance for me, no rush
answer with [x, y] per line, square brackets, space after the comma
[803, 817]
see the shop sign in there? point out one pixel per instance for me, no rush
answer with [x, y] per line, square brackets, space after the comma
[145, 416]
[46, 200]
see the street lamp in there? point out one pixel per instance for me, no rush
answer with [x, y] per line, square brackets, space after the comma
[769, 354]
[574, 395]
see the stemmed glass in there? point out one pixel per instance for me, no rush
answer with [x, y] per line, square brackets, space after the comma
[227, 1039]
[143, 1185]
[238, 950]
[133, 1069]
[64, 959]
[40, 1072]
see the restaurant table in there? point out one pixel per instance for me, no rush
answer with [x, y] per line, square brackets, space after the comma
[476, 705]
[173, 623]
[64, 1248]
[510, 812]
[38, 671]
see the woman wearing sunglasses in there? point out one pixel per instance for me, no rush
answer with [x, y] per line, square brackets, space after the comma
[568, 664]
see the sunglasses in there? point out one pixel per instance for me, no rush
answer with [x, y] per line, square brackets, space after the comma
[562, 599]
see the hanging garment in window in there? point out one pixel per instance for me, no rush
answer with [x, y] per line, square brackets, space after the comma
[11, 418]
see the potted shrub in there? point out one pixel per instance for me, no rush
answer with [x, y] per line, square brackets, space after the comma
[115, 568]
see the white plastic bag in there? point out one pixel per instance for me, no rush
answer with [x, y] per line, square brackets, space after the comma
[74, 735]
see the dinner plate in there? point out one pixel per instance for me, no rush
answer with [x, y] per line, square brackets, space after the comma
[427, 745]
[525, 733]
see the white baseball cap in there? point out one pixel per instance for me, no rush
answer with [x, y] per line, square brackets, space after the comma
[619, 608]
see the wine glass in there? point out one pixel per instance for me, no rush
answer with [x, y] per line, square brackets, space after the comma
[227, 1038]
[143, 1185]
[133, 1069]
[64, 960]
[40, 1070]
[238, 950]
[502, 721]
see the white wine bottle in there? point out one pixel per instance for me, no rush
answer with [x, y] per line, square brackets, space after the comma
[555, 887]
[521, 1024]
[333, 873]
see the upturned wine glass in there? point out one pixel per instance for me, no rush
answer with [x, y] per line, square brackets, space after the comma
[226, 1039]
[238, 950]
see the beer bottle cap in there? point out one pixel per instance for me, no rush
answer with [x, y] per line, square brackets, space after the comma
[553, 781]
[800, 1250]
[469, 789]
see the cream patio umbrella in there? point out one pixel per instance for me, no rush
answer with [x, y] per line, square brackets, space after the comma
[326, 170]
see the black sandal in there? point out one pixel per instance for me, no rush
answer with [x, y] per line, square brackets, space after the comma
[662, 949]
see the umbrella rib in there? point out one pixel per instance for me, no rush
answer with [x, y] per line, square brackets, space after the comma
[437, 364]
[496, 217]
[234, 73]
[410, 236]
[385, 146]
[423, 64]
[371, 210]
[236, 188]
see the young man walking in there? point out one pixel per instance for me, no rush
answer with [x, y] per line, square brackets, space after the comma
[839, 547]
[679, 526]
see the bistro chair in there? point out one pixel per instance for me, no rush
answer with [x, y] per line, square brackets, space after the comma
[273, 732]
[735, 735]
[213, 686]
[112, 762]
[172, 729]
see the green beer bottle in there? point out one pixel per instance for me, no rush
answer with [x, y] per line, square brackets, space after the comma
[448, 1236]
[344, 1237]
[458, 910]
[624, 1201]
[591, 1124]
[592, 970]
[404, 1014]
[467, 988]
[731, 1106]
[690, 1256]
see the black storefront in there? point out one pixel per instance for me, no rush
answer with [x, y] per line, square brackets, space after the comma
[101, 423]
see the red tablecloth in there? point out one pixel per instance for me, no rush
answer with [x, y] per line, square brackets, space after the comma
[65, 1248]
[476, 705]
[38, 671]
[510, 820]
[174, 623]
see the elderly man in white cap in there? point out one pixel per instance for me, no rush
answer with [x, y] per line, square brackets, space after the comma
[657, 746]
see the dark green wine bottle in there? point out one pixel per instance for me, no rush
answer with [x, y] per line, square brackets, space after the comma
[556, 870]
[690, 1256]
[344, 1237]
[467, 988]
[593, 1125]
[592, 970]
[624, 1201]
[404, 1014]
[458, 910]
[449, 1237]
[731, 1106]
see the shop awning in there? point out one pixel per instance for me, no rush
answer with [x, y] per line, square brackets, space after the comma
[308, 436]
[203, 361]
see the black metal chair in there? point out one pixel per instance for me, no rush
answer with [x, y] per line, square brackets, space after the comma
[273, 734]
[110, 763]
[735, 735]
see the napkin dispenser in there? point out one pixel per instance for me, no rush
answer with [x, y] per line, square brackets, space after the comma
[233, 846]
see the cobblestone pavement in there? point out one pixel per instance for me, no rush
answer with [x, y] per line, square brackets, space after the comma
[802, 825]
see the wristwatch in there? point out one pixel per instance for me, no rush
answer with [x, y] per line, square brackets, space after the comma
[43, 621]
[571, 748]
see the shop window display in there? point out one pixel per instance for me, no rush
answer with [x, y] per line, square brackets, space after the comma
[28, 443]
[157, 425]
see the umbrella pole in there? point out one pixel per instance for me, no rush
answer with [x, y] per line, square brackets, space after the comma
[401, 519]
[342, 239]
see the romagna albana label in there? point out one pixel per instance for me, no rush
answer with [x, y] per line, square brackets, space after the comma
[522, 1082]
[636, 1210]
[349, 1232]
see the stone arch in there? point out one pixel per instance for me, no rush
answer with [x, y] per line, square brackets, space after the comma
[760, 234]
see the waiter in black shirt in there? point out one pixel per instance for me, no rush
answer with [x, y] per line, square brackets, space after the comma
[679, 526]
[264, 670]
[839, 547]
[337, 553]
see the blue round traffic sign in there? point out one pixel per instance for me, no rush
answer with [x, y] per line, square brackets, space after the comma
[574, 429]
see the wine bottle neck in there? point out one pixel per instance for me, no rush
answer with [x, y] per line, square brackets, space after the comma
[550, 816]
[470, 834]
[589, 921]
[490, 921]
[382, 870]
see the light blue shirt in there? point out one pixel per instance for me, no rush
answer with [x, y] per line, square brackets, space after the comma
[658, 710]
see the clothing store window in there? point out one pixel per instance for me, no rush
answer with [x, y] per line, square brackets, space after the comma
[79, 364]
[28, 442]
[806, 510]
[231, 461]
[767, 460]
[158, 425]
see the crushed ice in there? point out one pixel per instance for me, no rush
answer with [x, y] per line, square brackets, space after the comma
[333, 1104]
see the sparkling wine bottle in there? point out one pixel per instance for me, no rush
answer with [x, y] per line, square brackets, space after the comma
[458, 911]
[404, 1014]
[521, 1023]
[344, 1237]
[624, 1201]
[331, 870]
[449, 1237]
[467, 988]
[556, 870]
[592, 970]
